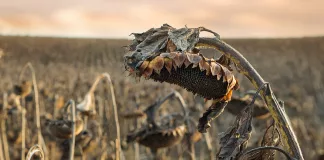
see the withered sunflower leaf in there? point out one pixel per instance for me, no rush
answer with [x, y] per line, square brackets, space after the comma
[234, 140]
[271, 138]
[185, 38]
[150, 42]
[211, 113]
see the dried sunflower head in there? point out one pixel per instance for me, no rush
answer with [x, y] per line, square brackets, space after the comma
[63, 128]
[24, 89]
[169, 55]
[160, 137]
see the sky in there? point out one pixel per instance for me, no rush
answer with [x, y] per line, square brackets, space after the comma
[119, 18]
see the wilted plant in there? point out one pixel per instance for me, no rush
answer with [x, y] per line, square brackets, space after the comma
[25, 89]
[63, 128]
[88, 105]
[168, 132]
[171, 55]
[84, 143]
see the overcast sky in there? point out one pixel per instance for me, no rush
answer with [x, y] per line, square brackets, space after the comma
[119, 18]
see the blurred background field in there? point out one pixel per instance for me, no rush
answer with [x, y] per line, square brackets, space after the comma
[67, 67]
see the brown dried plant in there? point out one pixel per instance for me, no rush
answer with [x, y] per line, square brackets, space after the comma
[4, 116]
[171, 55]
[169, 131]
[110, 85]
[25, 89]
[63, 128]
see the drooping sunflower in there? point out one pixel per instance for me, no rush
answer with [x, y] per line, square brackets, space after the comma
[170, 55]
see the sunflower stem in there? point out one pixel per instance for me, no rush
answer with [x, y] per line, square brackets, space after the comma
[40, 139]
[277, 112]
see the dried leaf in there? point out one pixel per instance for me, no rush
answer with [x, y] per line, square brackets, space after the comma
[211, 113]
[150, 42]
[185, 38]
[234, 140]
[271, 138]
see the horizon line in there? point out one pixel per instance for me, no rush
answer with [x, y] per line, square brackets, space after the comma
[130, 38]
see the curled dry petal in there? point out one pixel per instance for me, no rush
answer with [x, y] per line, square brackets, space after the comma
[224, 72]
[203, 65]
[165, 55]
[216, 70]
[174, 65]
[193, 58]
[173, 55]
[171, 47]
[168, 64]
[147, 72]
[157, 64]
[143, 66]
[178, 60]
[233, 83]
[182, 58]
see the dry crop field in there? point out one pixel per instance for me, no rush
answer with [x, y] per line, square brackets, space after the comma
[66, 68]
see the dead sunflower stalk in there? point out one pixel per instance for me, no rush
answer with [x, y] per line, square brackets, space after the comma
[171, 55]
[71, 104]
[119, 153]
[3, 128]
[40, 139]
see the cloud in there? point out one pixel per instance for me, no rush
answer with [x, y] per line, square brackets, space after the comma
[107, 18]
